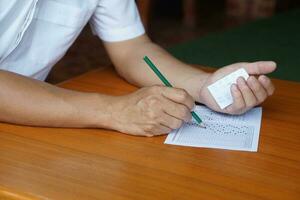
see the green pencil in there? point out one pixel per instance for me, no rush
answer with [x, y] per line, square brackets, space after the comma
[168, 84]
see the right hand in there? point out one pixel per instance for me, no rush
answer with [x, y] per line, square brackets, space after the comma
[150, 111]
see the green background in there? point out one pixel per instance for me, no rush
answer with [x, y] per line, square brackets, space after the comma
[276, 38]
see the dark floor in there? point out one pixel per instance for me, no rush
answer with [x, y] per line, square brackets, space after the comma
[165, 28]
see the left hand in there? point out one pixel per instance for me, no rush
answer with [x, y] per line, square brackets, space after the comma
[246, 94]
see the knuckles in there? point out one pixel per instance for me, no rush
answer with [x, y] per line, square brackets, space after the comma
[156, 89]
[184, 113]
[152, 115]
[252, 103]
[149, 128]
[239, 107]
[254, 86]
[183, 96]
[152, 103]
[152, 100]
[176, 124]
[235, 110]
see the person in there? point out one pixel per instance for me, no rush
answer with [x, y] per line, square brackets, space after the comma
[35, 34]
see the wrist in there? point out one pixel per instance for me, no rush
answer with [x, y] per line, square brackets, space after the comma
[96, 112]
[196, 84]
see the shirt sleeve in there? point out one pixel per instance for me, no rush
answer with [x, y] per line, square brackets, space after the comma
[116, 20]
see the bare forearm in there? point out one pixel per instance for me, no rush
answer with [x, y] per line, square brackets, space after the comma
[128, 58]
[31, 102]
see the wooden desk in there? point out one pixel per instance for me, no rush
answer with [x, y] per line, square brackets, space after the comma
[49, 163]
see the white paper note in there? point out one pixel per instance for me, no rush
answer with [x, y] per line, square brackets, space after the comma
[222, 131]
[220, 89]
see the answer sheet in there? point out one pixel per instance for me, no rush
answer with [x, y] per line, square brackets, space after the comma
[222, 131]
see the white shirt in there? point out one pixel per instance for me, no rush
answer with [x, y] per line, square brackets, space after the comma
[35, 34]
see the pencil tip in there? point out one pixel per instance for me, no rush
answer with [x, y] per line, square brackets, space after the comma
[202, 125]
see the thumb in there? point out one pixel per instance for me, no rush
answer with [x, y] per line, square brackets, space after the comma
[260, 67]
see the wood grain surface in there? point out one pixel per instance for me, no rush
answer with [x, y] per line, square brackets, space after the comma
[62, 164]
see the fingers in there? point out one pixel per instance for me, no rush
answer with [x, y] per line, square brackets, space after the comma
[238, 105]
[267, 84]
[179, 96]
[248, 96]
[178, 111]
[174, 114]
[257, 89]
[170, 121]
[175, 102]
[155, 130]
[261, 67]
[164, 109]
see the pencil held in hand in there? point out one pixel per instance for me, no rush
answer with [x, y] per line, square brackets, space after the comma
[168, 84]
